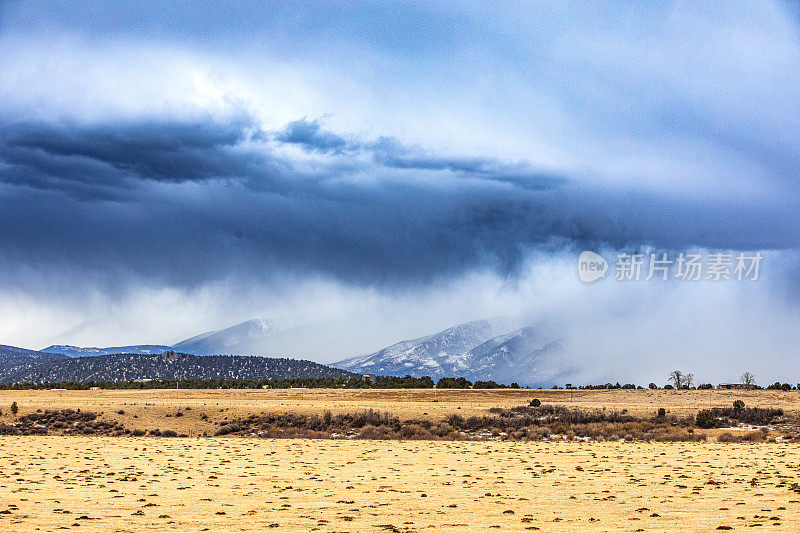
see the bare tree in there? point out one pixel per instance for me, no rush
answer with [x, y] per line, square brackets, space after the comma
[748, 380]
[676, 376]
[688, 380]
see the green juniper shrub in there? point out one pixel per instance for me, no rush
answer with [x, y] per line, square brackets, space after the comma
[662, 412]
[535, 402]
[14, 408]
[738, 405]
[706, 419]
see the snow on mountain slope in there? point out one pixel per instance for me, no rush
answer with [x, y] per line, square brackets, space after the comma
[440, 354]
[470, 350]
[77, 351]
[242, 339]
[522, 357]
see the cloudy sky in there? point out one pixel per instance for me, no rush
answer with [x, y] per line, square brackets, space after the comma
[167, 169]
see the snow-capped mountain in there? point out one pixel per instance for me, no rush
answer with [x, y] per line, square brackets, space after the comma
[522, 357]
[246, 338]
[441, 354]
[77, 351]
[474, 350]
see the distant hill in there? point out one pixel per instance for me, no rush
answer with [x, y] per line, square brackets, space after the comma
[475, 351]
[522, 356]
[13, 359]
[134, 367]
[441, 354]
[77, 351]
[245, 338]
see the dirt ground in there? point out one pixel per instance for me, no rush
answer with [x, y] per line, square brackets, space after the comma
[151, 409]
[212, 484]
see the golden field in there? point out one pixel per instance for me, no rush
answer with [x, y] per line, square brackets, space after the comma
[53, 483]
[146, 409]
[212, 484]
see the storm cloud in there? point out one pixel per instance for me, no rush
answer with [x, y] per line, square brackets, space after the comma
[194, 201]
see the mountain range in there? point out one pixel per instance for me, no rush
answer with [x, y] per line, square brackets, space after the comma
[502, 349]
[476, 351]
[246, 338]
[13, 359]
[77, 351]
[170, 365]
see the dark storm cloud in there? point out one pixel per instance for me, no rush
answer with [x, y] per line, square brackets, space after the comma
[186, 202]
[310, 135]
[196, 200]
[390, 153]
[99, 159]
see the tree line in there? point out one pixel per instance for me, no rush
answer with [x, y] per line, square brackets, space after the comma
[677, 380]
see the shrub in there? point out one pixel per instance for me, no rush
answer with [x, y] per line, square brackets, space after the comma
[661, 412]
[652, 386]
[759, 416]
[7, 429]
[728, 437]
[738, 405]
[755, 436]
[535, 402]
[706, 419]
[138, 433]
[14, 408]
[169, 433]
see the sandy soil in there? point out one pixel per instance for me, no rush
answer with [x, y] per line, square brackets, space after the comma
[145, 484]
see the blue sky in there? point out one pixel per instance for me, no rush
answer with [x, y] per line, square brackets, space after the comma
[166, 168]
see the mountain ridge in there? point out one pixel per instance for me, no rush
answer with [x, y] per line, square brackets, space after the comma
[520, 355]
[14, 359]
[171, 366]
[78, 351]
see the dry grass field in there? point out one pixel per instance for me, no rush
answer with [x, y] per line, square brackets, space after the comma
[145, 409]
[54, 483]
[146, 484]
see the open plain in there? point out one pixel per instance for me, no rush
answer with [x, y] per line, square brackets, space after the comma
[155, 408]
[93, 483]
